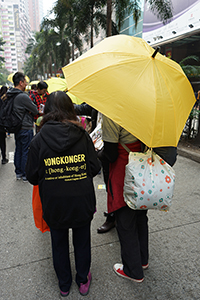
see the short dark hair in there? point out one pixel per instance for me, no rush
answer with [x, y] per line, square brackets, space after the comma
[17, 77]
[42, 85]
[33, 86]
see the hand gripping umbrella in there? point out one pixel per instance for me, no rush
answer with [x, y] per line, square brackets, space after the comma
[141, 90]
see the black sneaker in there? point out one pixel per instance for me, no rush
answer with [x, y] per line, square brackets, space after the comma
[4, 161]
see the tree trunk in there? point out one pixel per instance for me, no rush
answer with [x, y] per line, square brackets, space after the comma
[109, 18]
[73, 51]
[92, 28]
[50, 64]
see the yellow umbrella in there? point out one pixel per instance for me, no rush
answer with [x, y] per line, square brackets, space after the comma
[149, 96]
[34, 82]
[56, 84]
[10, 78]
[31, 83]
[74, 99]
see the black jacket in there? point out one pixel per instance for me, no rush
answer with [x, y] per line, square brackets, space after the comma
[63, 161]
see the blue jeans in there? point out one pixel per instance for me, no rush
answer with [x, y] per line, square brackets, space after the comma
[22, 142]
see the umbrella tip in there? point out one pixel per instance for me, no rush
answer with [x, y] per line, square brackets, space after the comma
[155, 52]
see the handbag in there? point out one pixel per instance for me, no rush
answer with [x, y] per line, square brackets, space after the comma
[37, 211]
[149, 181]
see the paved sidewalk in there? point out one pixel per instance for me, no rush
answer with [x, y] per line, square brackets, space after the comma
[189, 151]
[26, 270]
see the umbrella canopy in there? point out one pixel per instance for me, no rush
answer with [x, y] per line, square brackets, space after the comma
[56, 84]
[34, 82]
[149, 96]
[28, 87]
[10, 78]
[74, 99]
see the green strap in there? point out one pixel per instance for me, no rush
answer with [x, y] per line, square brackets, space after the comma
[125, 147]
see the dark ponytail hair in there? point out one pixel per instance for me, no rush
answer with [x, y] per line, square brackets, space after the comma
[59, 107]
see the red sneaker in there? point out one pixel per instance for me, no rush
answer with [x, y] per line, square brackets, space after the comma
[118, 268]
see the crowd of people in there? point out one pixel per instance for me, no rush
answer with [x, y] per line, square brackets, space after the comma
[61, 159]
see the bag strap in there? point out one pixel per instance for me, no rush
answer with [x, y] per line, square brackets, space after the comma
[125, 147]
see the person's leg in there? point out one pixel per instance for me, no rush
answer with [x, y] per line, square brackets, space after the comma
[108, 224]
[143, 235]
[18, 154]
[61, 260]
[82, 252]
[3, 145]
[26, 137]
[110, 218]
[130, 247]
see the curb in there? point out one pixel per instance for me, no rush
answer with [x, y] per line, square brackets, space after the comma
[189, 154]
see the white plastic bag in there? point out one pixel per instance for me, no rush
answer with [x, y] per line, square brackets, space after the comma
[148, 184]
[96, 136]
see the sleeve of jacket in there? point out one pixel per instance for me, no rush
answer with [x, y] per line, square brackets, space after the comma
[32, 164]
[93, 159]
[169, 154]
[30, 106]
[83, 109]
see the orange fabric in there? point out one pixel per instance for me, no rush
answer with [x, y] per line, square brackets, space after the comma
[37, 210]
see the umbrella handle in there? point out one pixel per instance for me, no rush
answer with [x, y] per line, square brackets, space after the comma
[155, 52]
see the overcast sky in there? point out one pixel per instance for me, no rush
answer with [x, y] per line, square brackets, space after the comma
[47, 5]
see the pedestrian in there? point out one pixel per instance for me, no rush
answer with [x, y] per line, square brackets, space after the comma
[25, 109]
[39, 97]
[62, 161]
[85, 109]
[4, 160]
[33, 88]
[132, 225]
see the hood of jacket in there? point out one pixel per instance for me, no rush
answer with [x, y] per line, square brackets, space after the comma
[59, 136]
[13, 91]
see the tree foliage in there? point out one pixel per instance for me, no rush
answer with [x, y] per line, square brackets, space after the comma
[75, 20]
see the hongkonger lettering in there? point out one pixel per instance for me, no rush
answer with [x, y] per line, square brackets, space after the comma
[60, 160]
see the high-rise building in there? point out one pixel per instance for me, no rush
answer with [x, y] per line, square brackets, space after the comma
[15, 31]
[35, 11]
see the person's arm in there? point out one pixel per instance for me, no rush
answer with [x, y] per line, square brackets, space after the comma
[107, 155]
[95, 166]
[32, 164]
[169, 154]
[29, 105]
[83, 109]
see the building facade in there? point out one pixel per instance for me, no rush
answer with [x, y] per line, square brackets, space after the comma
[15, 31]
[128, 26]
[180, 37]
[35, 11]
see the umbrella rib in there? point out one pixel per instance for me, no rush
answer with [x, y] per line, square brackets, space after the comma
[169, 94]
[106, 67]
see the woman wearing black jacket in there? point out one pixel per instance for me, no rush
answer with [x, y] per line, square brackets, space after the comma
[62, 161]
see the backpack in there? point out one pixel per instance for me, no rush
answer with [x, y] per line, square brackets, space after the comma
[9, 121]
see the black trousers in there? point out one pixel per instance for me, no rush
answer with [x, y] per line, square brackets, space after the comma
[132, 228]
[82, 252]
[3, 144]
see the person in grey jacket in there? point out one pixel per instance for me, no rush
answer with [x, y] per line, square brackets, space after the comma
[25, 109]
